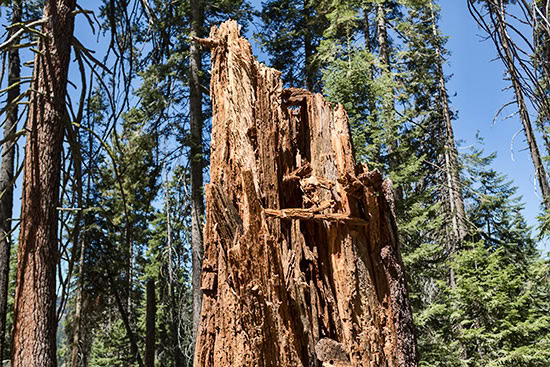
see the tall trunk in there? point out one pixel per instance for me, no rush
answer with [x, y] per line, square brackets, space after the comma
[35, 321]
[196, 151]
[367, 35]
[150, 326]
[389, 101]
[302, 263]
[381, 30]
[77, 322]
[134, 350]
[454, 192]
[6, 176]
[178, 355]
[509, 61]
[308, 49]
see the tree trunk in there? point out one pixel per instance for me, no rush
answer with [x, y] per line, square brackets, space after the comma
[308, 49]
[509, 61]
[150, 325]
[7, 175]
[381, 30]
[35, 321]
[134, 350]
[454, 192]
[196, 151]
[302, 264]
[173, 304]
[388, 104]
[77, 321]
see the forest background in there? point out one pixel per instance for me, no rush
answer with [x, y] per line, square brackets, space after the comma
[480, 296]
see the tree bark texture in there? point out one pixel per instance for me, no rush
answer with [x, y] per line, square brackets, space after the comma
[302, 263]
[35, 321]
[196, 152]
[150, 327]
[7, 175]
[78, 326]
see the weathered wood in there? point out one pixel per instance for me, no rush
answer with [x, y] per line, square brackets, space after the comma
[301, 252]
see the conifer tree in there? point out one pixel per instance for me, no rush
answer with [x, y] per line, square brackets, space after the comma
[290, 35]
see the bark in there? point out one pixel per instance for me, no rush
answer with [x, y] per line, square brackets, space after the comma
[389, 101]
[35, 321]
[509, 61]
[7, 176]
[134, 350]
[368, 41]
[80, 349]
[497, 30]
[77, 321]
[76, 350]
[196, 151]
[308, 50]
[302, 263]
[454, 191]
[178, 355]
[381, 30]
[150, 327]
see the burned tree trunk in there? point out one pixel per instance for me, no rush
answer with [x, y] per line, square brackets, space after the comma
[301, 263]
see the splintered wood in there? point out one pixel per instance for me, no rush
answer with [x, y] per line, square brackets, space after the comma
[301, 264]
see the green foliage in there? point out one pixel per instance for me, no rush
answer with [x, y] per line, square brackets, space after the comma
[495, 210]
[110, 347]
[136, 228]
[489, 316]
[495, 305]
[290, 35]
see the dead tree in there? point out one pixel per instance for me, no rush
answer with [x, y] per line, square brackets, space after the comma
[301, 264]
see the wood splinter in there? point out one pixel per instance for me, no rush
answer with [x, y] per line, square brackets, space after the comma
[308, 214]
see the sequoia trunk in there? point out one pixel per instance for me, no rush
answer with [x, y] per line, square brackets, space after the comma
[35, 321]
[301, 263]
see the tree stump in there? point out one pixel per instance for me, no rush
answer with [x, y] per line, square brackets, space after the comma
[301, 264]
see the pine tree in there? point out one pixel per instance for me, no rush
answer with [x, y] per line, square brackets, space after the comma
[290, 35]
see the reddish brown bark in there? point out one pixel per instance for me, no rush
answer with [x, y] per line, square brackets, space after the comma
[7, 175]
[301, 264]
[35, 320]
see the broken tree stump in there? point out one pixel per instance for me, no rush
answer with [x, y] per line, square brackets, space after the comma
[301, 258]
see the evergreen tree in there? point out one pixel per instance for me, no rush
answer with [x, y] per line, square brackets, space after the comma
[291, 34]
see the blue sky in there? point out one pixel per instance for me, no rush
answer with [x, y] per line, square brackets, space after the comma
[476, 90]
[478, 83]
